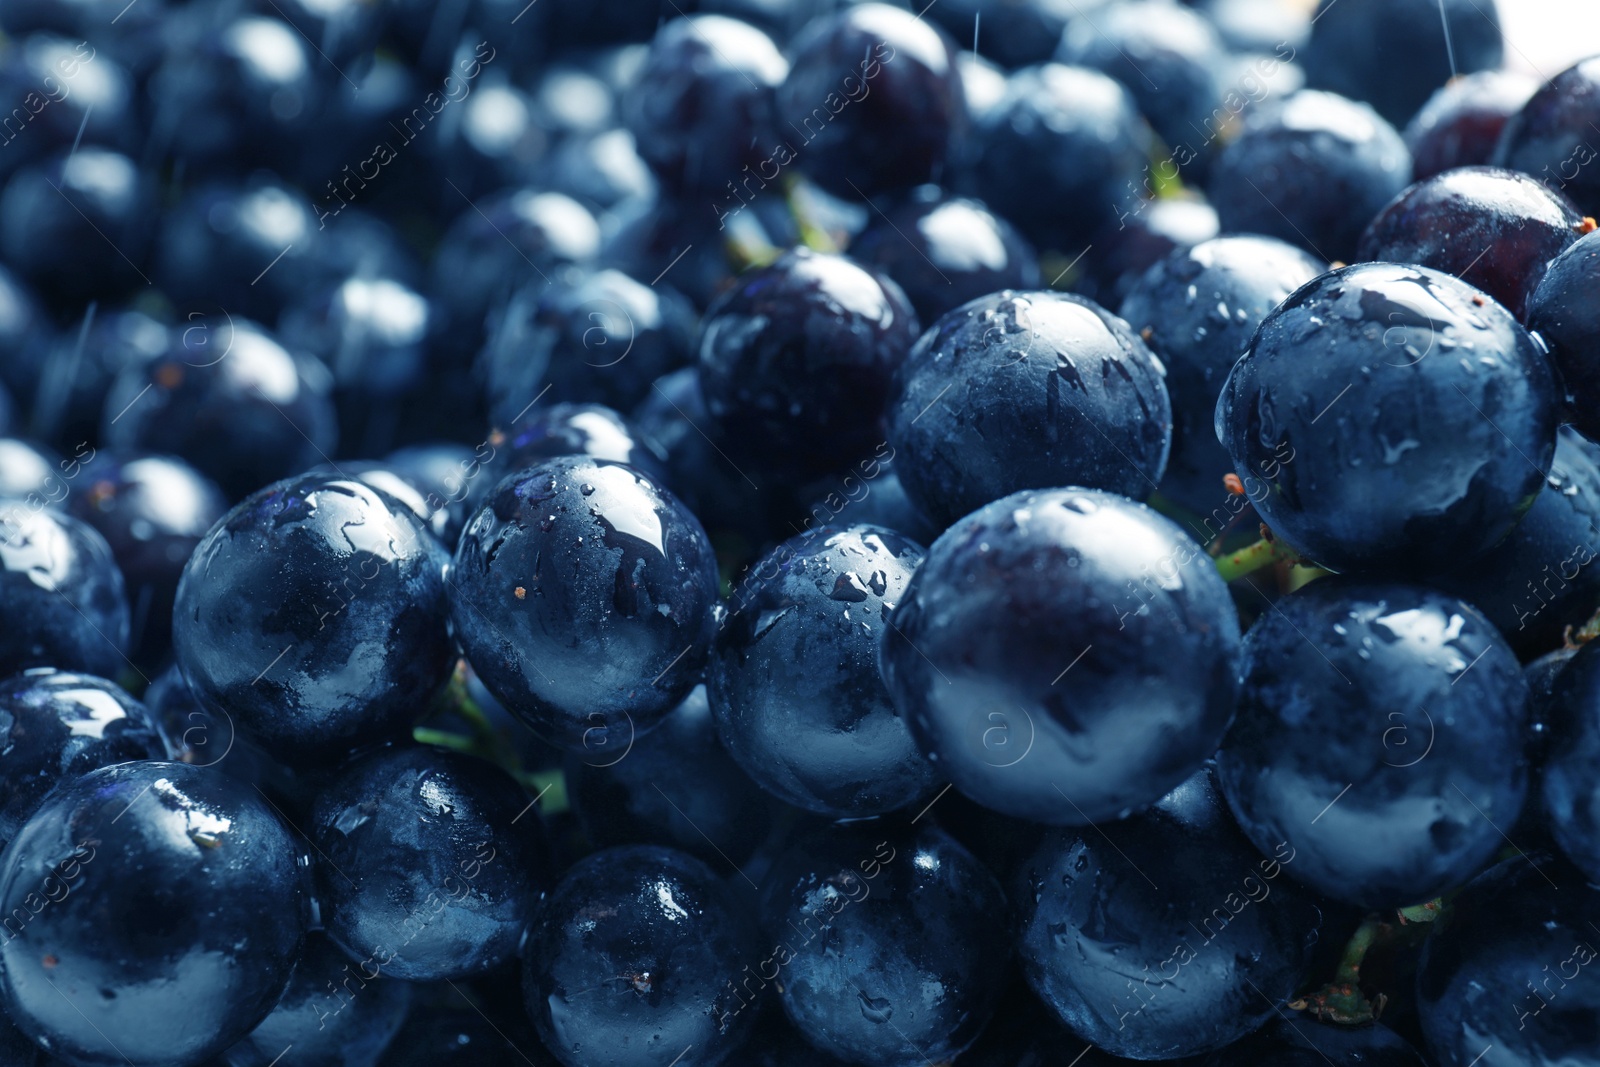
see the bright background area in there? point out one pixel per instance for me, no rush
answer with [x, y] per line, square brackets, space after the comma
[1544, 37]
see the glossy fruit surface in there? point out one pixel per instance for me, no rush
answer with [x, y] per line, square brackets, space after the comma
[793, 677]
[945, 251]
[1306, 169]
[882, 942]
[873, 102]
[1552, 137]
[58, 726]
[1460, 125]
[1376, 446]
[795, 361]
[1494, 229]
[351, 641]
[1166, 934]
[1064, 655]
[229, 399]
[1569, 323]
[171, 966]
[717, 814]
[1393, 53]
[152, 511]
[1572, 754]
[1064, 148]
[1027, 391]
[1540, 579]
[1382, 732]
[1197, 310]
[431, 862]
[61, 588]
[702, 109]
[601, 337]
[583, 594]
[1502, 973]
[332, 1014]
[632, 962]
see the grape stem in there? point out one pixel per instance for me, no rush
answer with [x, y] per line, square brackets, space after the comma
[1264, 553]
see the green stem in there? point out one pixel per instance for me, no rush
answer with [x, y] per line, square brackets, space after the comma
[1252, 558]
[446, 739]
[1341, 1000]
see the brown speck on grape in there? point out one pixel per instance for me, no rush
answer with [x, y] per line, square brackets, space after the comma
[520, 593]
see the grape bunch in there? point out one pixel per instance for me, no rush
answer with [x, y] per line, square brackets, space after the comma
[799, 533]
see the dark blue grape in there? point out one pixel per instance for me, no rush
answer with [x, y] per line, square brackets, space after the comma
[1382, 732]
[57, 726]
[1169, 58]
[154, 912]
[641, 797]
[229, 399]
[1290, 1042]
[1013, 34]
[1166, 934]
[78, 225]
[1143, 233]
[873, 100]
[697, 252]
[882, 501]
[1564, 315]
[193, 734]
[602, 170]
[442, 472]
[26, 338]
[238, 249]
[33, 474]
[945, 251]
[1461, 123]
[702, 108]
[600, 337]
[885, 945]
[1394, 53]
[794, 682]
[233, 91]
[592, 430]
[497, 245]
[461, 1035]
[341, 31]
[1495, 229]
[61, 594]
[152, 511]
[314, 615]
[631, 959]
[381, 475]
[1537, 582]
[795, 362]
[583, 595]
[74, 378]
[371, 332]
[1197, 310]
[1503, 977]
[495, 140]
[1027, 391]
[1371, 443]
[1572, 764]
[1064, 656]
[1552, 137]
[1064, 149]
[1023, 1033]
[65, 80]
[431, 862]
[1309, 169]
[332, 1014]
[703, 476]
